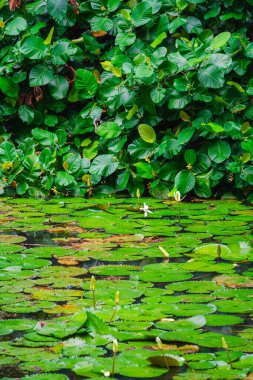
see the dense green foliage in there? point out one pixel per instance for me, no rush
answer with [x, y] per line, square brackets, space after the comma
[117, 95]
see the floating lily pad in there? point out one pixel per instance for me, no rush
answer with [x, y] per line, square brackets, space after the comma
[4, 248]
[114, 270]
[164, 272]
[49, 251]
[183, 324]
[223, 320]
[11, 239]
[61, 327]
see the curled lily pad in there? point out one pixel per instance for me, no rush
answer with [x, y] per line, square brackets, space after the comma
[167, 361]
[61, 327]
[182, 324]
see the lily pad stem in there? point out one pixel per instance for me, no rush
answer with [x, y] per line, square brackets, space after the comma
[113, 314]
[93, 299]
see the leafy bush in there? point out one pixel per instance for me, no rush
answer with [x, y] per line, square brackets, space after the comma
[116, 95]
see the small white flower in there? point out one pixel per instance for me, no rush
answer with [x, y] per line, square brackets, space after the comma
[177, 196]
[146, 210]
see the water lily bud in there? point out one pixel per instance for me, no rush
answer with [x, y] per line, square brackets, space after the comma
[177, 196]
[92, 283]
[115, 346]
[164, 252]
[106, 373]
[224, 343]
[117, 298]
[159, 342]
[138, 193]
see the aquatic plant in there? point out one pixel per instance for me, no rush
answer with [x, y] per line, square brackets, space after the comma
[92, 288]
[177, 197]
[146, 210]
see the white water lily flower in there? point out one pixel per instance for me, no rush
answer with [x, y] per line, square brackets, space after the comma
[244, 245]
[146, 210]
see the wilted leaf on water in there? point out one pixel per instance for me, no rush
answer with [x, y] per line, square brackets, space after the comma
[167, 361]
[234, 281]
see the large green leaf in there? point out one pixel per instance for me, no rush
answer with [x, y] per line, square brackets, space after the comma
[104, 165]
[44, 137]
[58, 87]
[40, 75]
[64, 179]
[211, 76]
[185, 181]
[26, 114]
[144, 169]
[57, 9]
[108, 130]
[8, 87]
[220, 40]
[219, 151]
[34, 48]
[101, 23]
[141, 13]
[7, 152]
[86, 84]
[16, 26]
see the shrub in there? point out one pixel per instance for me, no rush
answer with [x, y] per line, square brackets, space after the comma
[110, 96]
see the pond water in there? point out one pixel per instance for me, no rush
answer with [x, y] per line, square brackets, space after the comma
[188, 282]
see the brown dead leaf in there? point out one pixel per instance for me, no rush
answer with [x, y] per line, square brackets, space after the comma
[68, 260]
[99, 33]
[13, 4]
[235, 281]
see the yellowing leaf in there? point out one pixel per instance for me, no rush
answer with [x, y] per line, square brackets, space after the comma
[2, 24]
[107, 65]
[48, 40]
[99, 33]
[65, 165]
[158, 40]
[125, 14]
[131, 112]
[236, 85]
[116, 71]
[97, 76]
[147, 133]
[184, 116]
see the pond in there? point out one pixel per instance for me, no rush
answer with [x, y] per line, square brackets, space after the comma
[96, 288]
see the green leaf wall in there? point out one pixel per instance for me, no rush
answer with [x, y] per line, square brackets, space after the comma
[108, 96]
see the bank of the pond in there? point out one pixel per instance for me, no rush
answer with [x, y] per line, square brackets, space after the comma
[77, 275]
